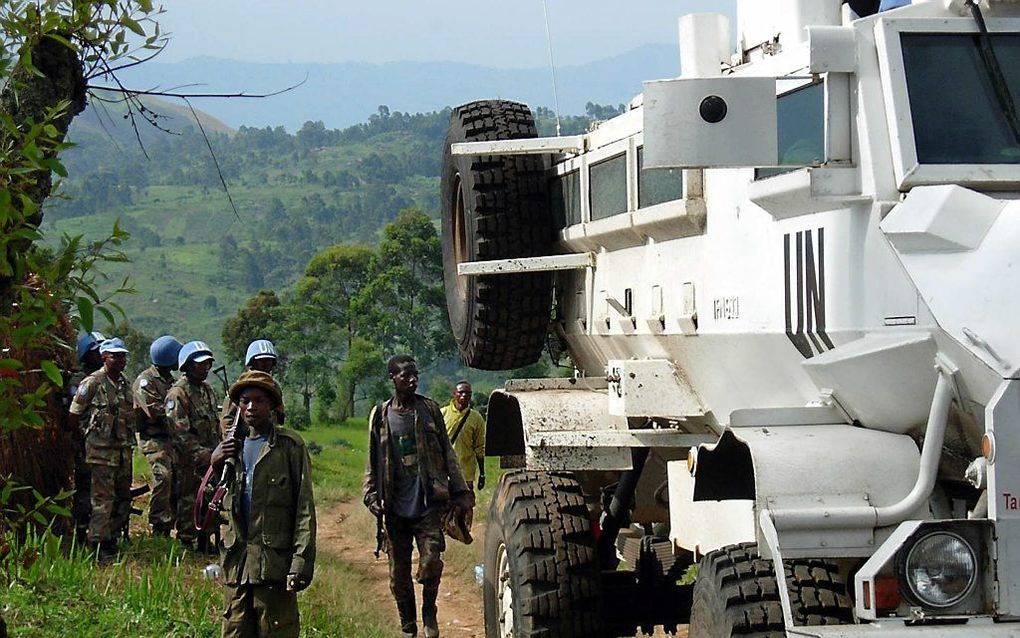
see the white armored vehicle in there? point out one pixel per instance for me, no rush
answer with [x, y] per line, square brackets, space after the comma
[789, 281]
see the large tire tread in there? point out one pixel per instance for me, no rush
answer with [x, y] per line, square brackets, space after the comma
[507, 317]
[737, 594]
[549, 536]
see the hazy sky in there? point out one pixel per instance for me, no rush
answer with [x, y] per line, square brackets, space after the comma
[502, 34]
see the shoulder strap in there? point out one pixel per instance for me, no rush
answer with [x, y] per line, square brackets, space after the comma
[460, 426]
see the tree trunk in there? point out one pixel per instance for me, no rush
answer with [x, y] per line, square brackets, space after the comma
[40, 457]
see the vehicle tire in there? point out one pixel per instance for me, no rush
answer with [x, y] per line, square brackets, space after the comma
[495, 207]
[737, 594]
[541, 567]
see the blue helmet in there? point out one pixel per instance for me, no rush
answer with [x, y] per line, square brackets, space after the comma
[259, 349]
[89, 341]
[195, 351]
[164, 351]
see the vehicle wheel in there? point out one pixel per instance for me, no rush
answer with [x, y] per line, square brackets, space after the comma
[541, 568]
[737, 594]
[495, 207]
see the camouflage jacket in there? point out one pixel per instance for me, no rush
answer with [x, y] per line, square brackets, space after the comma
[442, 479]
[149, 391]
[104, 406]
[191, 414]
[280, 537]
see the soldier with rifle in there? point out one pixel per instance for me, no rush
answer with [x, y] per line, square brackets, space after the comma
[413, 481]
[269, 543]
[102, 404]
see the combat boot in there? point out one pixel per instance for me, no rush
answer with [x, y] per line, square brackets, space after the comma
[408, 620]
[429, 615]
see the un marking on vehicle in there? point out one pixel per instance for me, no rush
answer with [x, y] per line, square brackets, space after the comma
[804, 283]
[726, 308]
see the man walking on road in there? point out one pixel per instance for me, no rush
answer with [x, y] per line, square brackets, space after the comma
[411, 480]
[269, 543]
[149, 390]
[103, 403]
[466, 429]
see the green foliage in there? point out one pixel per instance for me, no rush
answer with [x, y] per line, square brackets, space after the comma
[354, 307]
[251, 322]
[25, 527]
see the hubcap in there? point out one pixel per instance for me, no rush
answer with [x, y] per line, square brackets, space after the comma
[504, 591]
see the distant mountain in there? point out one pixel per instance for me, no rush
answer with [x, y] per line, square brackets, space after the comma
[344, 94]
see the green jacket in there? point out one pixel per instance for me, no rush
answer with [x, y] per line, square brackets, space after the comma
[281, 537]
[441, 476]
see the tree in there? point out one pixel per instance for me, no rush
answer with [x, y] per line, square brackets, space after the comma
[334, 291]
[306, 352]
[255, 321]
[409, 304]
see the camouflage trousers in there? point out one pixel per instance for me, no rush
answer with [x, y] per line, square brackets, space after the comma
[81, 502]
[260, 611]
[427, 533]
[160, 454]
[111, 492]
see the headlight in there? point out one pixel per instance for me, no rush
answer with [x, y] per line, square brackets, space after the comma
[941, 569]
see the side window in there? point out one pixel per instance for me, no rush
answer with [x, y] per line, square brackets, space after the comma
[609, 187]
[565, 191]
[657, 185]
[800, 116]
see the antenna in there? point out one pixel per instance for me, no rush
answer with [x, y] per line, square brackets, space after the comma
[552, 66]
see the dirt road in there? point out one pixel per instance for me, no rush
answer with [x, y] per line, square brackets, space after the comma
[346, 531]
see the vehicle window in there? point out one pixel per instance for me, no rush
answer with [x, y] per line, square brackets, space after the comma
[800, 117]
[609, 187]
[959, 104]
[566, 199]
[657, 185]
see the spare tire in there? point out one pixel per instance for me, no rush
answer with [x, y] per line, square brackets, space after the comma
[495, 207]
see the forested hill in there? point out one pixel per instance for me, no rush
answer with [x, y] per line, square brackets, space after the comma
[193, 261]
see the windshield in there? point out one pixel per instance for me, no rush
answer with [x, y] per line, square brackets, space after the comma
[958, 116]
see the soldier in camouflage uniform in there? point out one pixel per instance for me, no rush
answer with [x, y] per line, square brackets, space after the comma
[81, 503]
[149, 390]
[412, 479]
[260, 356]
[103, 406]
[269, 542]
[191, 411]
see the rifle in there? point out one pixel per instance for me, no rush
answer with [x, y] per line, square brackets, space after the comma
[221, 372]
[204, 519]
[380, 536]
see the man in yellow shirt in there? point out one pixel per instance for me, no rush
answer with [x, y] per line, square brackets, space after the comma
[466, 428]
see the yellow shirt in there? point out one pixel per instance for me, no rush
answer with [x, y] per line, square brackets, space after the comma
[470, 444]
